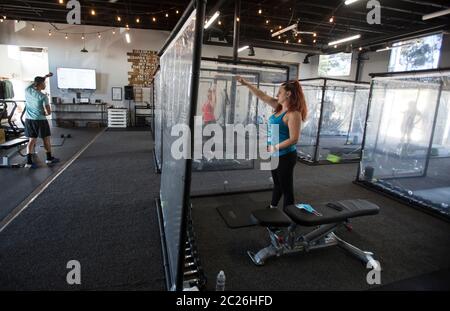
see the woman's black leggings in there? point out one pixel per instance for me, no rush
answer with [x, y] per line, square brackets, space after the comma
[283, 179]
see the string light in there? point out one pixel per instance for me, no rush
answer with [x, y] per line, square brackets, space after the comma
[331, 19]
[113, 32]
[154, 19]
[279, 37]
[127, 27]
[99, 35]
[66, 37]
[178, 12]
[314, 41]
[219, 22]
[82, 37]
[237, 19]
[335, 46]
[119, 18]
[360, 48]
[279, 27]
[49, 33]
[314, 35]
[299, 40]
[61, 1]
[1, 20]
[93, 12]
[32, 28]
[167, 14]
[259, 11]
[138, 20]
[267, 21]
[287, 41]
[271, 30]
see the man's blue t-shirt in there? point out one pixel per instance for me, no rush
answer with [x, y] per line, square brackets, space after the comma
[35, 102]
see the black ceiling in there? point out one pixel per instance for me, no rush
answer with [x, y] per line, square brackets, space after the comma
[399, 18]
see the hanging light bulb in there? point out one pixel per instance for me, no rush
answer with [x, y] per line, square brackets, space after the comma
[237, 19]
[82, 37]
[99, 35]
[154, 19]
[271, 30]
[360, 48]
[113, 32]
[138, 20]
[219, 22]
[167, 14]
[66, 37]
[299, 40]
[314, 35]
[1, 20]
[93, 13]
[331, 19]
[127, 27]
[259, 11]
[287, 41]
[314, 41]
[49, 33]
[32, 28]
[61, 1]
[279, 37]
[279, 27]
[178, 12]
[335, 46]
[119, 18]
[267, 21]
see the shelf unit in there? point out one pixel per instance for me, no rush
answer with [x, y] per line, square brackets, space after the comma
[80, 113]
[142, 111]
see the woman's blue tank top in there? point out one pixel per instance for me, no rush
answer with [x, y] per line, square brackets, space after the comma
[283, 131]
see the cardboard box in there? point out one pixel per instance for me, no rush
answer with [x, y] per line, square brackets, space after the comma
[2, 136]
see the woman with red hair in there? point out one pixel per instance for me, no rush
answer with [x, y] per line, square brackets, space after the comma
[289, 112]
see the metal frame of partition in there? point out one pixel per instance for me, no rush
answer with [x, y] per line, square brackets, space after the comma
[381, 190]
[177, 275]
[315, 160]
[157, 164]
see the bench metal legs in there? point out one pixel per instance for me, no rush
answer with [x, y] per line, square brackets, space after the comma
[322, 237]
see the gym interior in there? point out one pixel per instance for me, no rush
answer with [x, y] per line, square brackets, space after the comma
[137, 88]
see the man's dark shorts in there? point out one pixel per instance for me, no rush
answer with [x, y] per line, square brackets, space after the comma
[37, 128]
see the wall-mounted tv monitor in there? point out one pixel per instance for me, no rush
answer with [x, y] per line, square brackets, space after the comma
[72, 78]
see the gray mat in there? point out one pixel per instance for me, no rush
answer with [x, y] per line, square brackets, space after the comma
[239, 216]
[435, 195]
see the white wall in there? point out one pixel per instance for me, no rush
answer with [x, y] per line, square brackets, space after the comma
[108, 55]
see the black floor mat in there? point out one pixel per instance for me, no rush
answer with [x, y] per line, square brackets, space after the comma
[238, 216]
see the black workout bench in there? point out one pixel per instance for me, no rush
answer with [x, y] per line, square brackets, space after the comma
[11, 147]
[283, 224]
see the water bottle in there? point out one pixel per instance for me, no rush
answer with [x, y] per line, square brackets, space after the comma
[220, 283]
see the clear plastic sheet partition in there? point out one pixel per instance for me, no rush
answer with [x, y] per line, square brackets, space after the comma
[175, 84]
[225, 103]
[158, 119]
[407, 141]
[337, 112]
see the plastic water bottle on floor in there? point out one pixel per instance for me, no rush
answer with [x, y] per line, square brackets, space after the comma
[220, 283]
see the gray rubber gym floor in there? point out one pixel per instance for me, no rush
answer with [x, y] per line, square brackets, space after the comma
[407, 242]
[18, 183]
[100, 212]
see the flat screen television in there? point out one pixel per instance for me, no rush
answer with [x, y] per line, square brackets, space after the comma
[72, 78]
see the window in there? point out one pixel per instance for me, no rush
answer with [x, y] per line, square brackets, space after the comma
[335, 64]
[416, 54]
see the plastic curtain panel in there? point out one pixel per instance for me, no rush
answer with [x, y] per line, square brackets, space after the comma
[407, 150]
[340, 132]
[175, 74]
[225, 102]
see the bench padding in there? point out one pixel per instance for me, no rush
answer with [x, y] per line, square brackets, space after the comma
[345, 209]
[13, 143]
